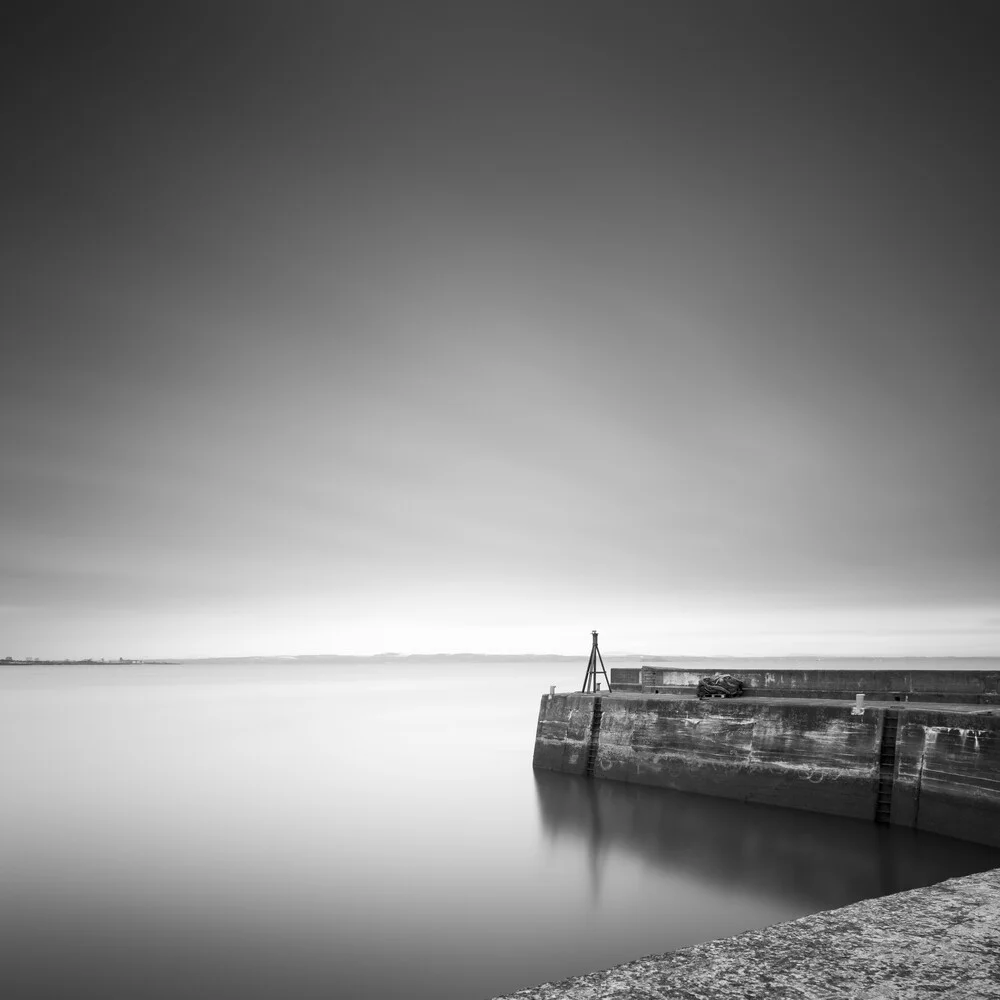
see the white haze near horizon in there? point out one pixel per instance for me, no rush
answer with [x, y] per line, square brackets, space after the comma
[902, 632]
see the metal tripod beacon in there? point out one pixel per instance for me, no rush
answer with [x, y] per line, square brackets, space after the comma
[590, 684]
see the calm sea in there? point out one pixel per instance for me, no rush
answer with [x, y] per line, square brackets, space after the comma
[299, 829]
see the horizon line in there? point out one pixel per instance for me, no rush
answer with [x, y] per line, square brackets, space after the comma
[617, 654]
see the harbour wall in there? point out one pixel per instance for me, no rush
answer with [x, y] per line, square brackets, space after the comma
[813, 753]
[970, 687]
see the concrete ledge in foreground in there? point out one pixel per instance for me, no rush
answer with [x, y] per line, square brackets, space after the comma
[942, 941]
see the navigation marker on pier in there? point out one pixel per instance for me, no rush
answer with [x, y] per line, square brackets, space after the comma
[590, 684]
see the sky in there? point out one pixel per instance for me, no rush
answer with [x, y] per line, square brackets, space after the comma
[358, 327]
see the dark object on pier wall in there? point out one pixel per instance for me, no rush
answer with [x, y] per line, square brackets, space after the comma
[817, 757]
[720, 686]
[968, 687]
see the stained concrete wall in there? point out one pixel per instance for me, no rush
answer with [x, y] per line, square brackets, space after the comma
[948, 774]
[563, 733]
[965, 686]
[813, 755]
[818, 757]
[626, 678]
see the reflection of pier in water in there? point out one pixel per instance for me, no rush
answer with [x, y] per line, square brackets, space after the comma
[594, 838]
[757, 848]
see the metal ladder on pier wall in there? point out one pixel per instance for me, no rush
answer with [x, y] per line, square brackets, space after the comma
[595, 735]
[886, 767]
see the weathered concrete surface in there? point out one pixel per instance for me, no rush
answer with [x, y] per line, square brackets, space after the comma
[812, 753]
[924, 685]
[941, 941]
[563, 733]
[816, 756]
[948, 774]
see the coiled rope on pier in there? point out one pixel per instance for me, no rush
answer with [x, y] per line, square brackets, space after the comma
[720, 686]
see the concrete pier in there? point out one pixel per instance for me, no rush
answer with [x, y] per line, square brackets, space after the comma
[942, 940]
[933, 766]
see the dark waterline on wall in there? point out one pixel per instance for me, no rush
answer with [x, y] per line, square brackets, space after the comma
[344, 830]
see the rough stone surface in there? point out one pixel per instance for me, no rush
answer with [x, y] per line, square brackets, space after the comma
[939, 941]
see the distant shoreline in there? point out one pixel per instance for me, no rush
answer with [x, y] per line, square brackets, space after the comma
[83, 663]
[804, 661]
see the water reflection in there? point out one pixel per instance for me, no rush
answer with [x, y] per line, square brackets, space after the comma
[806, 857]
[594, 839]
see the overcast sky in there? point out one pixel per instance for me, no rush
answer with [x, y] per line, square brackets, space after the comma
[347, 328]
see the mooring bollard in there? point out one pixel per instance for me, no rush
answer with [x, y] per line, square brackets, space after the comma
[597, 686]
[552, 691]
[859, 705]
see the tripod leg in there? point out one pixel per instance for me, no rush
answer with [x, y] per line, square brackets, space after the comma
[603, 671]
[591, 671]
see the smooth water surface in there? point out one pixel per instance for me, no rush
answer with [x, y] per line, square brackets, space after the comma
[369, 829]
